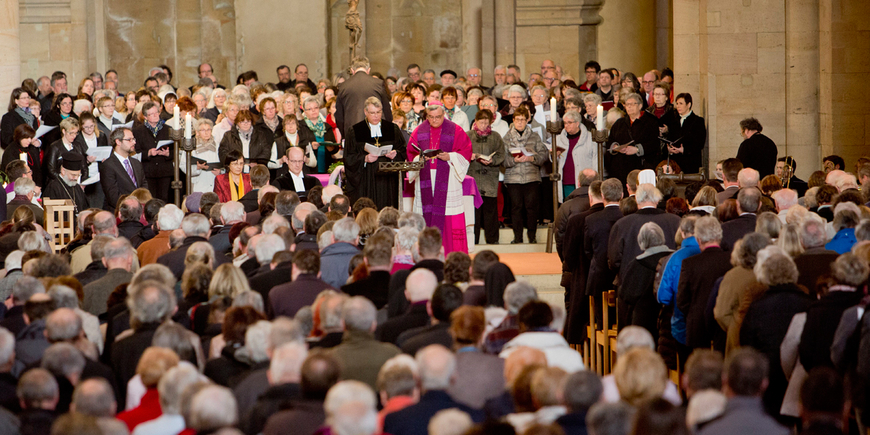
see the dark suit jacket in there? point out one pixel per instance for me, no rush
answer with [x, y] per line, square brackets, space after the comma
[735, 229]
[352, 94]
[697, 276]
[250, 200]
[576, 202]
[125, 357]
[390, 330]
[478, 377]
[129, 229]
[576, 265]
[415, 339]
[285, 182]
[759, 153]
[728, 193]
[692, 135]
[116, 182]
[812, 264]
[623, 248]
[287, 299]
[220, 241]
[375, 288]
[260, 147]
[595, 242]
[174, 259]
[414, 420]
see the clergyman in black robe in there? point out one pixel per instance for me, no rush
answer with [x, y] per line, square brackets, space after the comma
[363, 178]
[66, 186]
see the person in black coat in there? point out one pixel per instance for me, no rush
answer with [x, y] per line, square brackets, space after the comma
[757, 151]
[576, 266]
[596, 238]
[24, 142]
[260, 140]
[689, 134]
[68, 142]
[446, 299]
[637, 299]
[748, 201]
[363, 176]
[114, 178]
[697, 276]
[849, 272]
[641, 130]
[374, 287]
[61, 109]
[353, 93]
[421, 285]
[66, 185]
[18, 113]
[157, 162]
[174, 259]
[622, 245]
[768, 318]
[576, 202]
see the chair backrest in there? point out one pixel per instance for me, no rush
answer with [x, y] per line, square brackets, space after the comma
[60, 222]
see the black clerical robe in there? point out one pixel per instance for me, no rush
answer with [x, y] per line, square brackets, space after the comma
[363, 179]
[59, 190]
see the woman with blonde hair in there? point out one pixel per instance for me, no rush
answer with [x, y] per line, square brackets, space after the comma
[367, 219]
[640, 375]
[199, 253]
[228, 281]
[790, 240]
[706, 200]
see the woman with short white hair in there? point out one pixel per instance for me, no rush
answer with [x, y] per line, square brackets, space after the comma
[637, 300]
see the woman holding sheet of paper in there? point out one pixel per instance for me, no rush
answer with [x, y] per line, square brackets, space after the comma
[361, 165]
[486, 158]
[25, 146]
[522, 173]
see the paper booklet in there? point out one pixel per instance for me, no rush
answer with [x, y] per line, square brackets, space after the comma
[163, 143]
[378, 150]
[43, 129]
[127, 125]
[486, 156]
[101, 153]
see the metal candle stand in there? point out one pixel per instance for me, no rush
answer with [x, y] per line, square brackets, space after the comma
[554, 128]
[600, 137]
[186, 145]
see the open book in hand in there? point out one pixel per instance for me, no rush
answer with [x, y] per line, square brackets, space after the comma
[486, 156]
[378, 150]
[520, 151]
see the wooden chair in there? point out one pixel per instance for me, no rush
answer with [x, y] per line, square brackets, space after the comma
[606, 337]
[590, 348]
[60, 221]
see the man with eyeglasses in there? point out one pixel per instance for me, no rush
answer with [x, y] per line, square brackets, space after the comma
[121, 174]
[472, 76]
[648, 83]
[592, 68]
[361, 166]
[446, 149]
[295, 180]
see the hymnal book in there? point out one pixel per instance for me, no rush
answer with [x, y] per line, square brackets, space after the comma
[378, 150]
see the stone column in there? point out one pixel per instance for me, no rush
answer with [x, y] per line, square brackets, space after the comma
[627, 34]
[10, 54]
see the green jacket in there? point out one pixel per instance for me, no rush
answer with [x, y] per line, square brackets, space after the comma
[361, 356]
[486, 176]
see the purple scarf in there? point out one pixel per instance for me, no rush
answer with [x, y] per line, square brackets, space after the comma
[435, 204]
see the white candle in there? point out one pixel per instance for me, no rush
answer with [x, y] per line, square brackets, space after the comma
[553, 111]
[599, 118]
[188, 125]
[175, 123]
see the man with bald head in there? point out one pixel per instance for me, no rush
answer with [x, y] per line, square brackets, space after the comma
[419, 288]
[64, 325]
[547, 65]
[94, 397]
[436, 364]
[295, 180]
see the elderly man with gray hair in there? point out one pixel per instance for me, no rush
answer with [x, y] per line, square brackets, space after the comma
[360, 355]
[285, 375]
[436, 364]
[232, 213]
[104, 224]
[516, 294]
[816, 259]
[151, 303]
[196, 228]
[748, 202]
[697, 276]
[622, 244]
[335, 258]
[22, 291]
[168, 219]
[38, 393]
[118, 259]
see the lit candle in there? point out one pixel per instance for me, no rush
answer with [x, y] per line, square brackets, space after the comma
[599, 118]
[553, 110]
[188, 125]
[175, 123]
